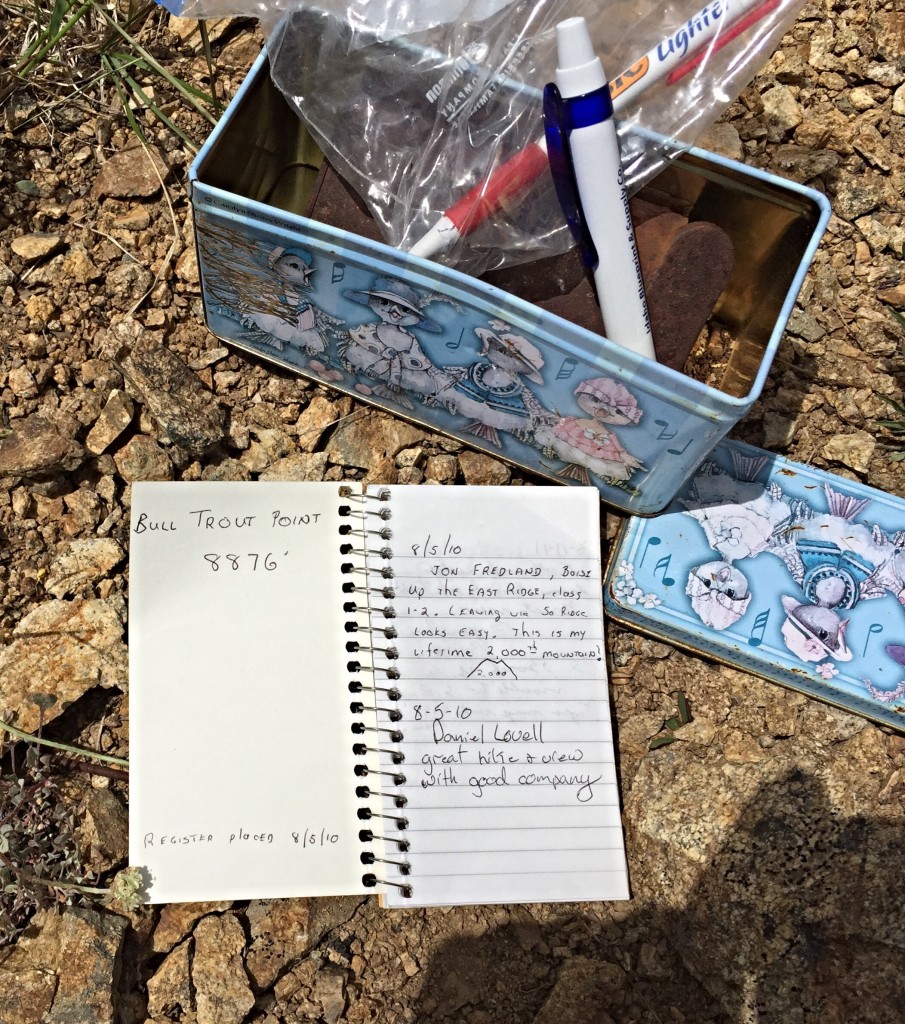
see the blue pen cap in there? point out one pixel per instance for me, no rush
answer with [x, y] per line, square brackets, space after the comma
[560, 118]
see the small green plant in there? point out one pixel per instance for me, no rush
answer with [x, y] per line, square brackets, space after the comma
[38, 853]
[40, 865]
[73, 47]
[896, 427]
[667, 733]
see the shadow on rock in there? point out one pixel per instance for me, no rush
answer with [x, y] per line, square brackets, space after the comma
[794, 920]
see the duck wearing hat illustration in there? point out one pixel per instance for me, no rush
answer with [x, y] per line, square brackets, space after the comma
[491, 391]
[836, 562]
[740, 519]
[832, 558]
[813, 632]
[719, 593]
[586, 444]
[386, 353]
[289, 319]
[265, 289]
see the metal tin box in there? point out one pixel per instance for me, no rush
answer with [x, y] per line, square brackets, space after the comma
[774, 567]
[568, 405]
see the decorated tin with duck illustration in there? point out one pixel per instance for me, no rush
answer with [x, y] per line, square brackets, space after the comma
[469, 360]
[778, 568]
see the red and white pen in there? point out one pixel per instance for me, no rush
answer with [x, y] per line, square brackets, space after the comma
[719, 20]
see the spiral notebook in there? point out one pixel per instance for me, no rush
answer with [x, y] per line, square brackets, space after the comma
[340, 690]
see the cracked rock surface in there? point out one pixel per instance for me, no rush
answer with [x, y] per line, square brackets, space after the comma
[765, 847]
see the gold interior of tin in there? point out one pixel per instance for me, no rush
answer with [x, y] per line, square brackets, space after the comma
[266, 154]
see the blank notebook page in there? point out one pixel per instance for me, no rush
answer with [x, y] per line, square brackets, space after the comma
[509, 769]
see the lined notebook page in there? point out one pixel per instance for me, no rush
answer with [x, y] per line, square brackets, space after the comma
[509, 769]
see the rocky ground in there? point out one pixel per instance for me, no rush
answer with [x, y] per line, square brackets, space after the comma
[764, 848]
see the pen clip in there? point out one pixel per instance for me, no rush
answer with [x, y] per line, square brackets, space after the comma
[559, 153]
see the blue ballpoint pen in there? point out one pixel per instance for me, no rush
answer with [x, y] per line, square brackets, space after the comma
[583, 148]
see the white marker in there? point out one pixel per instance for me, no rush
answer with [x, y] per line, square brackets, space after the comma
[582, 141]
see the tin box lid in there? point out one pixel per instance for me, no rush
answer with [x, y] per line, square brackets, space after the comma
[777, 568]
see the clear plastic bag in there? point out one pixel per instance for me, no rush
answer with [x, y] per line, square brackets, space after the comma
[420, 103]
[414, 121]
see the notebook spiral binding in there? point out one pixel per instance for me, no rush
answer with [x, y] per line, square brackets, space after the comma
[369, 515]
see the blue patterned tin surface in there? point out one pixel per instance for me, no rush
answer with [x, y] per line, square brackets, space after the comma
[788, 571]
[466, 359]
